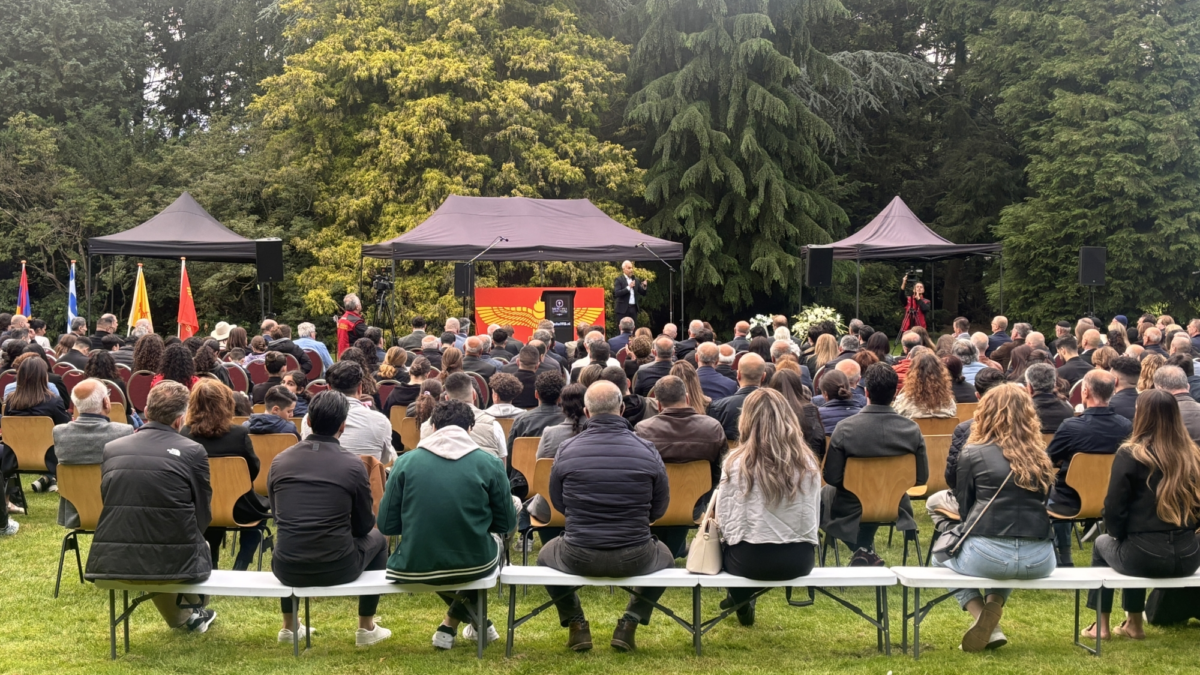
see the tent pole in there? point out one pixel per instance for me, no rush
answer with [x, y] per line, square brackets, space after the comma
[932, 293]
[1002, 283]
[857, 280]
[360, 270]
[88, 287]
[112, 276]
[671, 295]
[392, 304]
[682, 314]
[262, 302]
[803, 269]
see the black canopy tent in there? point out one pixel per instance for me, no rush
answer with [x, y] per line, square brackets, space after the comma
[898, 234]
[524, 229]
[182, 230]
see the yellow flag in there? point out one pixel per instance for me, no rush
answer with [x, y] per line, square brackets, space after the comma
[141, 301]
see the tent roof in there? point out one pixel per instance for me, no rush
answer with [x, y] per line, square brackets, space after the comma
[183, 229]
[897, 233]
[535, 229]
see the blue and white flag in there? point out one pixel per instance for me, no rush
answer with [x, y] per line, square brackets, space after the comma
[72, 300]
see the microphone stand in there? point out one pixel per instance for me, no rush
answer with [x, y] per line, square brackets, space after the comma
[471, 267]
[670, 286]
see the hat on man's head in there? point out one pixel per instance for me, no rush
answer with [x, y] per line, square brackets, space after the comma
[221, 332]
[1120, 318]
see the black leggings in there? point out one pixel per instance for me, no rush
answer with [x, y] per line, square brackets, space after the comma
[767, 562]
[370, 554]
[1157, 555]
[248, 540]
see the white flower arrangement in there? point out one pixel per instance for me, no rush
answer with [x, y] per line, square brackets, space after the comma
[813, 315]
[763, 320]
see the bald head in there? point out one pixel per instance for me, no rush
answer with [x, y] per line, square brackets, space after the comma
[474, 346]
[850, 369]
[727, 354]
[780, 348]
[671, 331]
[741, 328]
[91, 396]
[1035, 339]
[1098, 387]
[708, 354]
[1091, 339]
[751, 370]
[602, 398]
[1153, 336]
[664, 349]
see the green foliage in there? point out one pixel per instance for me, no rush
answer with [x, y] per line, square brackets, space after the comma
[1104, 98]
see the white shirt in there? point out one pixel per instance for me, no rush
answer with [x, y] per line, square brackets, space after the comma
[367, 432]
[586, 360]
[43, 341]
[632, 295]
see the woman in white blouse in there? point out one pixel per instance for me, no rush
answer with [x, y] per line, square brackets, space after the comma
[768, 507]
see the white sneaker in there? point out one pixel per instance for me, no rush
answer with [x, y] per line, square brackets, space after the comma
[469, 633]
[443, 638]
[285, 635]
[12, 528]
[366, 638]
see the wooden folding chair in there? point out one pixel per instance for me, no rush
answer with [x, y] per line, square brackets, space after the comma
[524, 458]
[966, 411]
[540, 485]
[937, 426]
[29, 438]
[410, 433]
[937, 451]
[1046, 438]
[506, 424]
[258, 408]
[377, 478]
[396, 416]
[689, 482]
[229, 478]
[879, 483]
[267, 447]
[1088, 475]
[239, 420]
[80, 485]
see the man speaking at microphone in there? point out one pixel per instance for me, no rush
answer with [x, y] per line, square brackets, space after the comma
[626, 291]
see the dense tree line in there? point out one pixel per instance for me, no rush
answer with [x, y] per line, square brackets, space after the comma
[743, 128]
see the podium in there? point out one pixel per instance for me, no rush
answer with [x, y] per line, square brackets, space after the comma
[560, 308]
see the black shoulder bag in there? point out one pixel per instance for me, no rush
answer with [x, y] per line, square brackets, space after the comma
[951, 542]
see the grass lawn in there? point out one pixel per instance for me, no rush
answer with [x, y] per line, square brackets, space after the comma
[44, 635]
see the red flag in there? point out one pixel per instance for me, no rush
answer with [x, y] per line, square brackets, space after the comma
[188, 324]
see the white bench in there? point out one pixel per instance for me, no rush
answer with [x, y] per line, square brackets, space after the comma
[376, 583]
[220, 582]
[863, 577]
[1068, 578]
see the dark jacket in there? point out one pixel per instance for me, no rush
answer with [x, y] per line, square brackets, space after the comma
[1123, 402]
[123, 356]
[609, 484]
[1014, 511]
[1073, 370]
[685, 350]
[1131, 505]
[616, 343]
[259, 393]
[266, 423]
[739, 343]
[49, 407]
[726, 371]
[76, 358]
[528, 379]
[1052, 411]
[532, 423]
[474, 364]
[321, 498]
[995, 340]
[250, 507]
[637, 408]
[876, 431]
[683, 435]
[813, 429]
[621, 293]
[728, 411]
[836, 411]
[1193, 387]
[1099, 431]
[1155, 349]
[715, 385]
[286, 346]
[1003, 353]
[402, 394]
[649, 375]
[964, 392]
[154, 485]
[412, 340]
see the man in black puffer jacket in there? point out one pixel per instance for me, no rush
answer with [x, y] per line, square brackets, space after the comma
[281, 341]
[610, 485]
[156, 495]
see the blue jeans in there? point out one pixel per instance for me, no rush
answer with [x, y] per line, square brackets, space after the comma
[1000, 558]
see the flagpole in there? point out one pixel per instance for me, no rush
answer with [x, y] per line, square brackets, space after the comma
[182, 271]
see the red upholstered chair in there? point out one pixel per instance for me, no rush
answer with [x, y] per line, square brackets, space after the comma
[60, 368]
[385, 390]
[72, 378]
[621, 355]
[292, 362]
[1076, 396]
[318, 367]
[258, 372]
[7, 377]
[139, 389]
[316, 387]
[483, 390]
[125, 372]
[736, 359]
[433, 372]
[114, 392]
[51, 358]
[238, 377]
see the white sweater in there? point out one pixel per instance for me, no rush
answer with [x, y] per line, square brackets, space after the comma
[748, 517]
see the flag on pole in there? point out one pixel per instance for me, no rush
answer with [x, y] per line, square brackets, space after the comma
[72, 299]
[188, 324]
[23, 293]
[141, 301]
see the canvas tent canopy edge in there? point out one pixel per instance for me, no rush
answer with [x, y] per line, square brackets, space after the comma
[183, 229]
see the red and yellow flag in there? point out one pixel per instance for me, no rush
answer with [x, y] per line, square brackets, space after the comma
[188, 324]
[141, 300]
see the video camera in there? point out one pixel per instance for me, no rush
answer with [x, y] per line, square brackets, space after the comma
[382, 282]
[914, 275]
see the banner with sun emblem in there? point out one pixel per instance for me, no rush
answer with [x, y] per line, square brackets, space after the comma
[523, 308]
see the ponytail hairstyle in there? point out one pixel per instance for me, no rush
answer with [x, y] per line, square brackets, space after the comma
[427, 400]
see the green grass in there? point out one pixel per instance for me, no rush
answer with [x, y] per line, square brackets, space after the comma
[39, 634]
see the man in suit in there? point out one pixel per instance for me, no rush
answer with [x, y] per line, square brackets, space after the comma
[618, 342]
[105, 326]
[849, 346]
[1193, 331]
[962, 328]
[649, 374]
[1152, 341]
[740, 342]
[82, 441]
[1100, 431]
[627, 289]
[412, 341]
[728, 411]
[998, 336]
[1127, 370]
[1091, 342]
[1003, 353]
[684, 349]
[876, 431]
[1061, 330]
[473, 361]
[1052, 411]
[715, 385]
[1073, 368]
[431, 350]
[725, 365]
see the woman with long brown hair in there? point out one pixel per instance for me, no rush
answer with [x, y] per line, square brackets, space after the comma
[452, 362]
[685, 371]
[148, 354]
[928, 391]
[768, 500]
[237, 340]
[791, 385]
[34, 397]
[427, 400]
[1151, 510]
[1003, 477]
[65, 344]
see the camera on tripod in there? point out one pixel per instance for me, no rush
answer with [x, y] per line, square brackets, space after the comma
[383, 283]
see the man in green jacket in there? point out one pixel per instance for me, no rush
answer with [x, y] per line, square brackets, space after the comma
[450, 500]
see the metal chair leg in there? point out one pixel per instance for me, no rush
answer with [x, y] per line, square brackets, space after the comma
[62, 555]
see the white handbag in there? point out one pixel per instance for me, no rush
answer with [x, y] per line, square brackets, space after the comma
[704, 554]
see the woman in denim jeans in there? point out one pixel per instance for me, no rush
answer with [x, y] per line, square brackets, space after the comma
[1004, 464]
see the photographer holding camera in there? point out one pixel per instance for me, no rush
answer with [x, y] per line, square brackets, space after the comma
[917, 309]
[350, 326]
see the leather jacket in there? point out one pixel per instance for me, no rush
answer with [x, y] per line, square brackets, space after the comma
[1017, 512]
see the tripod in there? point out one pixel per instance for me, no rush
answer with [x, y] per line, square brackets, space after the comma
[384, 317]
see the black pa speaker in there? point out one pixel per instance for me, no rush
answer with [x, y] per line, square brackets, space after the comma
[1091, 265]
[820, 267]
[269, 254]
[464, 280]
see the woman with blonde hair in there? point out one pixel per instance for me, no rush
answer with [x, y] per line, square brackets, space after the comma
[685, 371]
[927, 391]
[1150, 365]
[768, 500]
[1103, 357]
[824, 351]
[393, 366]
[1003, 478]
[1151, 511]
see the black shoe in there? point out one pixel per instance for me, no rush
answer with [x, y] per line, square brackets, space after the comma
[40, 485]
[201, 620]
[623, 636]
[580, 637]
[745, 613]
[864, 558]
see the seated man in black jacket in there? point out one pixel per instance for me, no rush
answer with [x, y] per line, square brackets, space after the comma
[728, 411]
[154, 485]
[1127, 369]
[1098, 431]
[610, 485]
[274, 362]
[1052, 411]
[321, 498]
